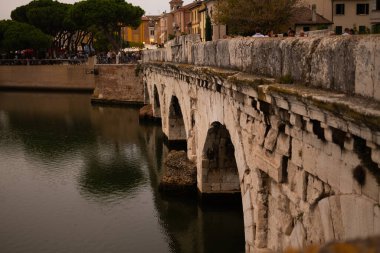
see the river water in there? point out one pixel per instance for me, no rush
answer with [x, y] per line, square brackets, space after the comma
[82, 178]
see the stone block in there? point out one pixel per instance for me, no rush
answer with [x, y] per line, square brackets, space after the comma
[337, 123]
[248, 218]
[353, 129]
[377, 219]
[357, 216]
[215, 187]
[249, 235]
[246, 201]
[325, 215]
[282, 103]
[298, 108]
[296, 152]
[328, 134]
[376, 137]
[316, 114]
[371, 187]
[309, 156]
[314, 189]
[295, 120]
[270, 139]
[375, 155]
[366, 68]
[346, 184]
[259, 129]
[309, 126]
[323, 164]
[230, 187]
[283, 144]
[297, 237]
[296, 133]
[349, 143]
[275, 121]
[366, 133]
[270, 163]
[351, 158]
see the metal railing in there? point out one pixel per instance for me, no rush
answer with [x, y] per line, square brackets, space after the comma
[42, 61]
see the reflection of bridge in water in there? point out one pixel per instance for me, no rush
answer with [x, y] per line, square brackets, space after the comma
[298, 154]
[117, 158]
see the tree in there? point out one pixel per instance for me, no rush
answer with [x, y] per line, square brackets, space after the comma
[106, 16]
[242, 16]
[50, 17]
[208, 28]
[15, 36]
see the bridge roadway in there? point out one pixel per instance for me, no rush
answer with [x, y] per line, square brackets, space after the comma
[305, 159]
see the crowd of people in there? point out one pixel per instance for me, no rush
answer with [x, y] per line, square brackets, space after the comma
[292, 33]
[121, 57]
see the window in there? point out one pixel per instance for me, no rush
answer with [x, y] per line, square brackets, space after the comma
[339, 9]
[377, 5]
[362, 9]
[338, 30]
[151, 32]
[306, 28]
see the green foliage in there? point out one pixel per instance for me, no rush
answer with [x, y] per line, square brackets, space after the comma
[106, 16]
[47, 15]
[101, 44]
[17, 36]
[208, 28]
[242, 16]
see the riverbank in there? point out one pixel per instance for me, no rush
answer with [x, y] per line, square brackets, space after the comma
[78, 78]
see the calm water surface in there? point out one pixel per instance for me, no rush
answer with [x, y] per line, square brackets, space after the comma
[77, 178]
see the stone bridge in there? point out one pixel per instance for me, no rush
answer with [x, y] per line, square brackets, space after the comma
[304, 156]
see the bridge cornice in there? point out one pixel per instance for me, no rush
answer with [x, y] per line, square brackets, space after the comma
[360, 111]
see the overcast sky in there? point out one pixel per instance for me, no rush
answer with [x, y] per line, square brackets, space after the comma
[151, 7]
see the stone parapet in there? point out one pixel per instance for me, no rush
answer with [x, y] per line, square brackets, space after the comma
[348, 64]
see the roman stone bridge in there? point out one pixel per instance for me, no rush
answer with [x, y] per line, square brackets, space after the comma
[304, 156]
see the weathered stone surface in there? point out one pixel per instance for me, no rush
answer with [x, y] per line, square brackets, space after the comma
[179, 173]
[118, 84]
[344, 64]
[146, 113]
[295, 147]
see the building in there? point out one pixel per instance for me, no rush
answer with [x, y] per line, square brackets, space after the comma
[360, 15]
[144, 34]
[306, 19]
[195, 8]
[181, 22]
[219, 31]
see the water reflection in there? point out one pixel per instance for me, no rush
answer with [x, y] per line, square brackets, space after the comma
[73, 175]
[116, 172]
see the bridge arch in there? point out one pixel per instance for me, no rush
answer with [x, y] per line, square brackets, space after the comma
[176, 131]
[219, 168]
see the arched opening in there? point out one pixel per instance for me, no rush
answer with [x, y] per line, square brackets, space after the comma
[219, 169]
[156, 103]
[177, 130]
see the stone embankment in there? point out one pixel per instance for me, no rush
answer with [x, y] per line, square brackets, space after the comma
[180, 174]
[348, 64]
[117, 84]
[48, 77]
